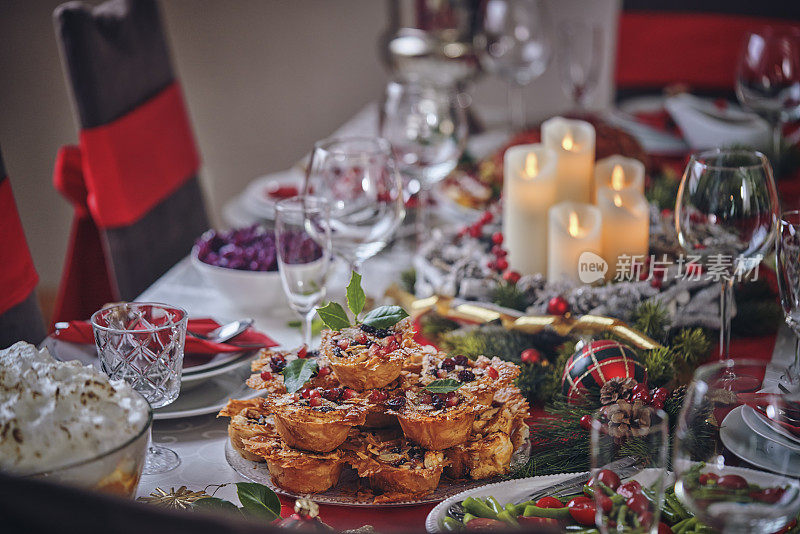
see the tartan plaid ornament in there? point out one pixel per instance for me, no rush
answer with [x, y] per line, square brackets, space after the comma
[596, 363]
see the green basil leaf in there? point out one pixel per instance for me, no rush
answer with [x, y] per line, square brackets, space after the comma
[297, 372]
[385, 316]
[334, 316]
[258, 499]
[356, 298]
[444, 386]
[214, 503]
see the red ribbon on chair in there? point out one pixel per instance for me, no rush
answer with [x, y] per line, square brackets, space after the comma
[120, 171]
[18, 276]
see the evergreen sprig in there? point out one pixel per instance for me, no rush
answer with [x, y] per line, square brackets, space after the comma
[652, 319]
[660, 366]
[508, 296]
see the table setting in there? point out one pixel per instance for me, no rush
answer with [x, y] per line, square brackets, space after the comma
[437, 321]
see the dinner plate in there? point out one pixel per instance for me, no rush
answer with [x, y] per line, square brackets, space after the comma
[738, 437]
[757, 424]
[256, 199]
[777, 428]
[345, 492]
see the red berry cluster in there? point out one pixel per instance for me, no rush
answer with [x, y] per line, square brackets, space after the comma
[476, 229]
[654, 398]
[500, 262]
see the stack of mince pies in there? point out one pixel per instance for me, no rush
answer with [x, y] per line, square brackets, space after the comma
[401, 414]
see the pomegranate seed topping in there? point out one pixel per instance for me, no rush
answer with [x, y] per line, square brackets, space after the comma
[315, 401]
[492, 372]
[324, 371]
[349, 394]
[266, 375]
[392, 346]
[305, 393]
[378, 395]
[361, 339]
[314, 394]
[302, 352]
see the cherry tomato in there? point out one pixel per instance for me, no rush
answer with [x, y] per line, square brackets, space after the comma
[705, 478]
[768, 495]
[607, 477]
[733, 482]
[629, 489]
[483, 523]
[663, 528]
[605, 502]
[549, 502]
[646, 519]
[583, 510]
[638, 503]
[301, 353]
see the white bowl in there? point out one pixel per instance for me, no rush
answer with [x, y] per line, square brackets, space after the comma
[247, 290]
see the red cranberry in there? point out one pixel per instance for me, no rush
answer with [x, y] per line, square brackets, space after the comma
[315, 401]
[451, 401]
[349, 394]
[497, 238]
[305, 393]
[639, 388]
[492, 265]
[324, 371]
[441, 373]
[302, 352]
[660, 394]
[492, 372]
[333, 394]
[487, 217]
[499, 251]
[314, 393]
[266, 376]
[378, 395]
[475, 231]
[643, 396]
[343, 344]
[361, 338]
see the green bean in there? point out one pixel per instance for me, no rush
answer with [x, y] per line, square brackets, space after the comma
[610, 492]
[508, 519]
[468, 517]
[555, 513]
[676, 505]
[478, 508]
[450, 524]
[511, 508]
[494, 504]
[682, 526]
[621, 515]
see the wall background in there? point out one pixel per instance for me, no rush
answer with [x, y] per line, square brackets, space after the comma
[264, 79]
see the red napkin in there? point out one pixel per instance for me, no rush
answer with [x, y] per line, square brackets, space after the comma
[250, 339]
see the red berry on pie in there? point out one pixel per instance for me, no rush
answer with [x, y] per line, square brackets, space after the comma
[349, 394]
[492, 372]
[266, 375]
[302, 352]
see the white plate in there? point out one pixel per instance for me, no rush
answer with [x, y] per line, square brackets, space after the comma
[210, 398]
[755, 421]
[255, 198]
[749, 446]
[777, 428]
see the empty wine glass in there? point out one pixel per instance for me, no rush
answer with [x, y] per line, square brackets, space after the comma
[716, 429]
[788, 260]
[514, 43]
[303, 237]
[726, 217]
[580, 58]
[359, 178]
[427, 128]
[768, 79]
[646, 431]
[142, 344]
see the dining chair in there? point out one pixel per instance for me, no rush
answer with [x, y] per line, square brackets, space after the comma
[133, 178]
[20, 315]
[691, 42]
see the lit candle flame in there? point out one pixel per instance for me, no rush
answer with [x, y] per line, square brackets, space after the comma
[618, 201]
[617, 178]
[573, 227]
[531, 166]
[568, 143]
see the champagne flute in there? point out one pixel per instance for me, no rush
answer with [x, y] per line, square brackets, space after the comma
[514, 43]
[580, 49]
[768, 79]
[726, 216]
[359, 178]
[303, 237]
[714, 427]
[788, 260]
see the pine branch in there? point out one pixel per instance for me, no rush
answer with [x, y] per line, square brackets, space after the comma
[652, 319]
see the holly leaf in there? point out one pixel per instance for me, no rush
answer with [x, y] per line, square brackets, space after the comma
[385, 316]
[297, 372]
[356, 298]
[258, 499]
[334, 316]
[214, 503]
[444, 386]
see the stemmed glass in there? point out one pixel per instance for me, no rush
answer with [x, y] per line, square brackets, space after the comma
[768, 79]
[514, 43]
[359, 178]
[427, 128]
[714, 425]
[580, 50]
[303, 237]
[142, 344]
[788, 258]
[726, 217]
[645, 430]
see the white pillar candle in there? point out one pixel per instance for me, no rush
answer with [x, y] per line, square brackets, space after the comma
[573, 142]
[626, 225]
[619, 173]
[529, 185]
[574, 228]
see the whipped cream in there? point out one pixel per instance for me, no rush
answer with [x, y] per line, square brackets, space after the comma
[53, 413]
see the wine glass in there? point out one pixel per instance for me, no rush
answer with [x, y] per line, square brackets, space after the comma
[788, 262]
[359, 178]
[580, 54]
[726, 216]
[715, 431]
[303, 237]
[514, 43]
[142, 344]
[427, 128]
[617, 429]
[768, 79]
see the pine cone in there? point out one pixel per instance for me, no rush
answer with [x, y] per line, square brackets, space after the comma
[626, 419]
[617, 388]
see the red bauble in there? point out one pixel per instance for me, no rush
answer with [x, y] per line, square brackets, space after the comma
[530, 356]
[558, 306]
[598, 362]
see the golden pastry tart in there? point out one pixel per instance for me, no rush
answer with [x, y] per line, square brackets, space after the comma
[295, 470]
[482, 457]
[481, 377]
[378, 403]
[365, 357]
[393, 465]
[512, 399]
[315, 419]
[269, 365]
[436, 421]
[249, 418]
